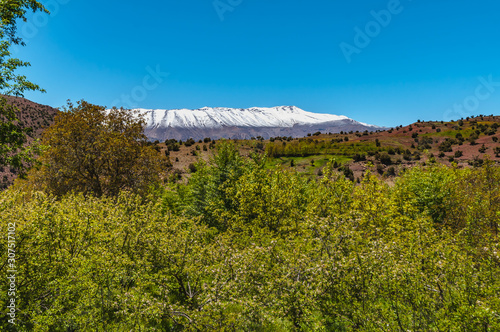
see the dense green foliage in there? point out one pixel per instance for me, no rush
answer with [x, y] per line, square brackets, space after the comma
[242, 248]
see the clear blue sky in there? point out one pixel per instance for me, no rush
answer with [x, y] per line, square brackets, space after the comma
[418, 62]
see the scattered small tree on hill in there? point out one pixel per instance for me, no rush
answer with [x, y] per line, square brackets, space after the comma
[348, 173]
[497, 152]
[385, 158]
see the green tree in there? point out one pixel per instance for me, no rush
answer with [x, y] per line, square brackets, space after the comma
[430, 190]
[209, 188]
[98, 151]
[12, 134]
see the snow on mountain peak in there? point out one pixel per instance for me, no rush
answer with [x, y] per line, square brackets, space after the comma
[209, 117]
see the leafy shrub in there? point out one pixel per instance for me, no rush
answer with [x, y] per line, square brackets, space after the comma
[192, 168]
[385, 159]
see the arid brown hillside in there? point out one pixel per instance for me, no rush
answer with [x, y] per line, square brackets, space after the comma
[31, 115]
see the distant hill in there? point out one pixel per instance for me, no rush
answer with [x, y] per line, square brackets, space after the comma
[236, 123]
[466, 142]
[31, 115]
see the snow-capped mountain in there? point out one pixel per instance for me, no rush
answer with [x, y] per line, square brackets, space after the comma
[239, 123]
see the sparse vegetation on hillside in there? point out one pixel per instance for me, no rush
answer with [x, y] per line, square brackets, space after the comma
[396, 149]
